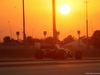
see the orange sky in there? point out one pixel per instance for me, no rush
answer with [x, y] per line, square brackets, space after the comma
[38, 15]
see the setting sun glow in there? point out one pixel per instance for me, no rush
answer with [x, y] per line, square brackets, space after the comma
[64, 9]
[70, 16]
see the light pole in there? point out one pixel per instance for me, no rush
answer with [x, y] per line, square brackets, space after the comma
[24, 35]
[87, 22]
[54, 22]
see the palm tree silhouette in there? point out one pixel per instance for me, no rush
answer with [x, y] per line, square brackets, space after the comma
[58, 33]
[17, 33]
[45, 33]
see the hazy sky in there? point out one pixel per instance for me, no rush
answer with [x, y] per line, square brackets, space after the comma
[38, 16]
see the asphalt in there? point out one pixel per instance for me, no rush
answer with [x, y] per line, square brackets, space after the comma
[44, 62]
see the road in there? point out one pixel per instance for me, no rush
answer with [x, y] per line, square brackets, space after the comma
[59, 69]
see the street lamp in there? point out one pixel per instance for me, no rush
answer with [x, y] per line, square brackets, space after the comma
[24, 35]
[54, 22]
[10, 29]
[87, 22]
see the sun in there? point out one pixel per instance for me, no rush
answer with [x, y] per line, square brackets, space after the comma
[64, 8]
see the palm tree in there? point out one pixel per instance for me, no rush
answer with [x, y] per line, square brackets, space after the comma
[58, 33]
[17, 33]
[78, 33]
[79, 37]
[45, 33]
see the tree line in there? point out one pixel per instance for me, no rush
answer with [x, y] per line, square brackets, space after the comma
[93, 40]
